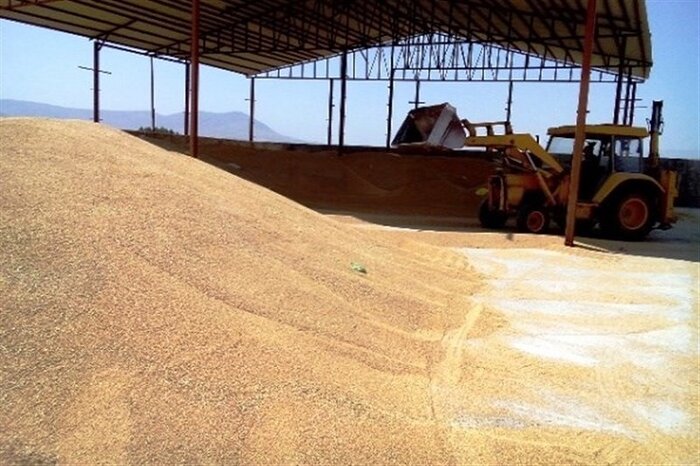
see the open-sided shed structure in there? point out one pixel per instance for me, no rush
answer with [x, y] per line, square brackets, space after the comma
[253, 37]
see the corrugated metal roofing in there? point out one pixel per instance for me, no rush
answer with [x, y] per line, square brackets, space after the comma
[250, 37]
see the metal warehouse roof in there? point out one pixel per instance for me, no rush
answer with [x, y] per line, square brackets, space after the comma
[250, 37]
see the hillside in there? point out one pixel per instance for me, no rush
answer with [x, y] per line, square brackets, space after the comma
[157, 309]
[230, 125]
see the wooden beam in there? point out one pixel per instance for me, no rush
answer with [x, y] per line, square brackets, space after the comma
[580, 135]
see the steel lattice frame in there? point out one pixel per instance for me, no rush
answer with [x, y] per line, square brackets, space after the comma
[416, 40]
[439, 57]
[251, 37]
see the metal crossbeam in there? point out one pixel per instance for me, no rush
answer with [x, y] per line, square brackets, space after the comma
[440, 57]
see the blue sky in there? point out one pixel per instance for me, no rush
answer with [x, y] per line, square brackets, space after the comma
[41, 65]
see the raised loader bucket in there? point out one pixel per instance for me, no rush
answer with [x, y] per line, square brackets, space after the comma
[434, 126]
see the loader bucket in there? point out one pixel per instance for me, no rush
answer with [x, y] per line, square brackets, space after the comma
[434, 126]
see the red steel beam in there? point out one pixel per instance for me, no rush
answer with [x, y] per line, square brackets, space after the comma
[580, 134]
[186, 123]
[194, 82]
[96, 46]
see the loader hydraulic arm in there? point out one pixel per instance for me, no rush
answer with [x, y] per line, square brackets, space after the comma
[522, 142]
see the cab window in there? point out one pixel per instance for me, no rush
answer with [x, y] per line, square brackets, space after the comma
[628, 155]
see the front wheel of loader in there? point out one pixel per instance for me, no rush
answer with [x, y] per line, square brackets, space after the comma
[491, 218]
[629, 216]
[533, 219]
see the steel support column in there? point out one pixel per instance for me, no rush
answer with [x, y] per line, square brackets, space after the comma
[580, 134]
[390, 104]
[251, 121]
[618, 89]
[618, 97]
[509, 104]
[330, 111]
[416, 100]
[628, 88]
[153, 97]
[632, 104]
[194, 71]
[187, 100]
[343, 97]
[96, 46]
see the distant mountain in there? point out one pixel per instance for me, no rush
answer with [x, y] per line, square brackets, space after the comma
[230, 125]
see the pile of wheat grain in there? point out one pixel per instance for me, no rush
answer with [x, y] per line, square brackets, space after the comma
[158, 309]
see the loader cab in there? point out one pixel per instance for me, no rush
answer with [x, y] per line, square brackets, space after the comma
[611, 154]
[617, 148]
[627, 155]
[607, 149]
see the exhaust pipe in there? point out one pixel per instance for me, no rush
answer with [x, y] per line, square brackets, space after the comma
[656, 127]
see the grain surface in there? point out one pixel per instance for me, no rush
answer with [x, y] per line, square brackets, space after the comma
[157, 309]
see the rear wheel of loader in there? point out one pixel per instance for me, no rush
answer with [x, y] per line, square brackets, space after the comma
[533, 219]
[490, 218]
[629, 216]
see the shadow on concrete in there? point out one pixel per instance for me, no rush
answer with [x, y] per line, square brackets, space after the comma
[682, 242]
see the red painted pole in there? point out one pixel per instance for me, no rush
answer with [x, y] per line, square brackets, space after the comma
[580, 135]
[187, 100]
[96, 46]
[194, 82]
[153, 97]
[251, 121]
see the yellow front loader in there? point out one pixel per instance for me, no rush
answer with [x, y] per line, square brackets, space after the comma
[626, 194]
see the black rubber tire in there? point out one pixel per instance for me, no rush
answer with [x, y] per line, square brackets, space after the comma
[533, 219]
[628, 216]
[491, 218]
